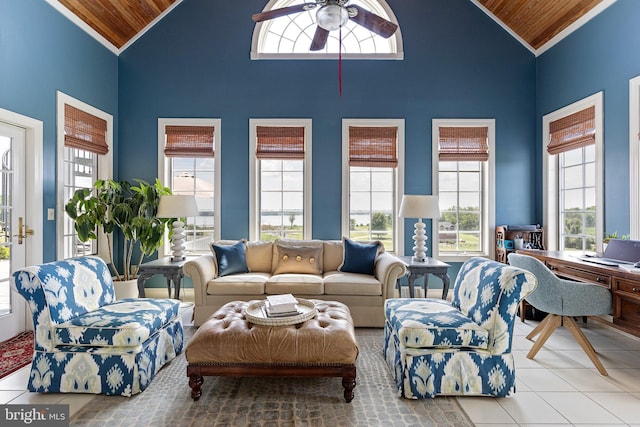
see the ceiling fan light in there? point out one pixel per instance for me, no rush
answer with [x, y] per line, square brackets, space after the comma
[331, 17]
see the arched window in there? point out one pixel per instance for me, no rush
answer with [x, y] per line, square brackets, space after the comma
[290, 36]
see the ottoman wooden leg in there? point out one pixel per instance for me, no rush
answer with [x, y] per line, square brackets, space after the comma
[349, 383]
[195, 381]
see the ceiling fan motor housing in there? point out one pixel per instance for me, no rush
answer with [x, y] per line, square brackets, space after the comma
[332, 16]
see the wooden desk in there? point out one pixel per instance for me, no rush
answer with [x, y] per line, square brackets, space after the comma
[624, 286]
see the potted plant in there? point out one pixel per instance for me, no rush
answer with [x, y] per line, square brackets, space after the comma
[130, 208]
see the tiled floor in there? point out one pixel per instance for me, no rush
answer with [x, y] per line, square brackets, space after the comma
[559, 388]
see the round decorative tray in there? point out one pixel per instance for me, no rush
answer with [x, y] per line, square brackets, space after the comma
[256, 314]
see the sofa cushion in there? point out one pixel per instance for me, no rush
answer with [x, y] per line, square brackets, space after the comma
[359, 257]
[430, 322]
[332, 255]
[125, 323]
[275, 259]
[298, 259]
[296, 284]
[339, 283]
[258, 255]
[230, 258]
[238, 284]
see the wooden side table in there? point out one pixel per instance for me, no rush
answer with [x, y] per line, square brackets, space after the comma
[419, 269]
[171, 270]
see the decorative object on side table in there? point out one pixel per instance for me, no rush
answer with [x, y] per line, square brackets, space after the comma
[178, 207]
[419, 206]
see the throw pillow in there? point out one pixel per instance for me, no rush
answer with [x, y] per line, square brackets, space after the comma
[298, 259]
[359, 257]
[230, 258]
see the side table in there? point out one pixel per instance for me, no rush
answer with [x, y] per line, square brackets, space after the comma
[419, 269]
[171, 270]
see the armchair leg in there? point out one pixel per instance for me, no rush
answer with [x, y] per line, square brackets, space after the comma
[548, 328]
[577, 333]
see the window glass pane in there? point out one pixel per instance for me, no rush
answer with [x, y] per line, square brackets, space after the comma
[469, 181]
[590, 153]
[359, 180]
[382, 181]
[590, 175]
[469, 201]
[470, 166]
[573, 199]
[448, 181]
[447, 166]
[572, 176]
[292, 181]
[572, 157]
[271, 181]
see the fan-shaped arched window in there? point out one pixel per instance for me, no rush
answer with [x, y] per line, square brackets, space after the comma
[290, 36]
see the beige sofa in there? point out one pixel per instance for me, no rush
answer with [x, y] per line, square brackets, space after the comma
[304, 268]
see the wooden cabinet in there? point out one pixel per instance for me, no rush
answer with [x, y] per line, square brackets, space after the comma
[625, 286]
[505, 236]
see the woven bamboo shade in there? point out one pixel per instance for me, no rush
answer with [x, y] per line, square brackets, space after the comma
[84, 131]
[573, 131]
[463, 144]
[280, 142]
[189, 141]
[373, 146]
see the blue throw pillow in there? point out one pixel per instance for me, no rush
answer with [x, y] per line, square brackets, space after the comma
[230, 258]
[359, 257]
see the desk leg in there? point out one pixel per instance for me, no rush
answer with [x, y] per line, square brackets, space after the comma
[177, 278]
[412, 278]
[141, 279]
[445, 284]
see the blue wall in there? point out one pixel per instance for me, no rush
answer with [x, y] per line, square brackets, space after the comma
[458, 64]
[601, 56]
[41, 52]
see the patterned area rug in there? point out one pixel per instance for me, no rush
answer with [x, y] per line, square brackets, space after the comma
[231, 401]
[16, 353]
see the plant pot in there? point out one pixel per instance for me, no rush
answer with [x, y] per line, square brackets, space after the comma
[126, 288]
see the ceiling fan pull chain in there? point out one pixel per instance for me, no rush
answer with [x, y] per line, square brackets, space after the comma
[340, 59]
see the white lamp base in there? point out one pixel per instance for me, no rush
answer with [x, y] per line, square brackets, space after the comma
[419, 239]
[177, 241]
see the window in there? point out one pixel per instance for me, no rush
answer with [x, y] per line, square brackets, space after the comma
[463, 165]
[572, 161]
[373, 162]
[634, 156]
[280, 179]
[290, 36]
[84, 135]
[189, 164]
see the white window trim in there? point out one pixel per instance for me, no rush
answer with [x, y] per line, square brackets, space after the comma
[550, 172]
[399, 190]
[634, 157]
[164, 169]
[260, 28]
[488, 190]
[105, 166]
[254, 184]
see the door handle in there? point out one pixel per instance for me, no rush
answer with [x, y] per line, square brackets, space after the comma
[27, 231]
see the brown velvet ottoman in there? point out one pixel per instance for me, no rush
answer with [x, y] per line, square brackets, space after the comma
[227, 344]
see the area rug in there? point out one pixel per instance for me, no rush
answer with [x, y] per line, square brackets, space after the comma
[16, 353]
[235, 402]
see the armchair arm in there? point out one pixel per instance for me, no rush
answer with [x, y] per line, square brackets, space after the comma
[201, 270]
[388, 270]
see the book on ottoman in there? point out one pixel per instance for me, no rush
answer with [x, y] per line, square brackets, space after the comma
[281, 305]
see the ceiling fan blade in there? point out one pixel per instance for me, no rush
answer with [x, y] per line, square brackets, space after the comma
[372, 22]
[276, 13]
[319, 38]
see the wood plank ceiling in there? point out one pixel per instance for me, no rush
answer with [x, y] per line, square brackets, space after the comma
[534, 21]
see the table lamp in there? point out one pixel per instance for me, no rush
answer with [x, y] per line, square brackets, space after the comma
[418, 206]
[178, 207]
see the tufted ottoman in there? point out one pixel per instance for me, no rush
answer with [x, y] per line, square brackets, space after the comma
[229, 345]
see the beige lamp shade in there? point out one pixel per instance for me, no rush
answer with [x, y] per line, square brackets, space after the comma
[419, 206]
[177, 206]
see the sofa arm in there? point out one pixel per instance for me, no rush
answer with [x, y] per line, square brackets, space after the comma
[388, 270]
[200, 270]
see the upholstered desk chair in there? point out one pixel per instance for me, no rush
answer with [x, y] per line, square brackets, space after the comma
[563, 300]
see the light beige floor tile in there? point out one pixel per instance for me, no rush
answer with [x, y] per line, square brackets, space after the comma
[8, 395]
[543, 380]
[528, 407]
[622, 405]
[626, 379]
[586, 380]
[484, 410]
[17, 380]
[76, 401]
[521, 361]
[37, 398]
[579, 409]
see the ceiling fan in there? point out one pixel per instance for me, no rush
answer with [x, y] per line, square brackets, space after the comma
[332, 15]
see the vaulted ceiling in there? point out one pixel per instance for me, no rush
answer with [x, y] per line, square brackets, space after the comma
[534, 22]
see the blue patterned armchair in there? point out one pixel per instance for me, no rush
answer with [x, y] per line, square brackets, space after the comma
[462, 347]
[85, 340]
